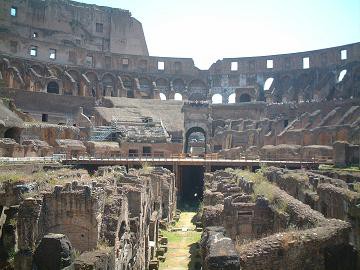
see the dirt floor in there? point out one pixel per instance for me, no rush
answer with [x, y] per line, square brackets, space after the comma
[183, 252]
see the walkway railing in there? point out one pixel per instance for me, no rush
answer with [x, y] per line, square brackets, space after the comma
[172, 158]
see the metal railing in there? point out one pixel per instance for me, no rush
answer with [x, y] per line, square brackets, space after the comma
[58, 158]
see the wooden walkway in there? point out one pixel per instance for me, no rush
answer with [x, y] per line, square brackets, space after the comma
[152, 161]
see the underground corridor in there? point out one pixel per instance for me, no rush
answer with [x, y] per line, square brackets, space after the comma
[191, 186]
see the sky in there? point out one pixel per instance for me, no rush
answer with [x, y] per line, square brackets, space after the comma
[209, 30]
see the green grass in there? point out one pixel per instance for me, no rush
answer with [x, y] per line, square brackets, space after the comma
[262, 187]
[333, 168]
[183, 253]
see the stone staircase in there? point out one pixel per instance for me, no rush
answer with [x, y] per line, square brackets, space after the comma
[102, 133]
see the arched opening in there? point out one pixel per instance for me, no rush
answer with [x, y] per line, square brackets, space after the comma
[245, 98]
[197, 97]
[93, 85]
[109, 84]
[145, 87]
[341, 75]
[53, 88]
[195, 141]
[162, 96]
[197, 90]
[13, 133]
[178, 85]
[268, 83]
[178, 96]
[217, 99]
[231, 99]
[128, 83]
[75, 75]
[162, 85]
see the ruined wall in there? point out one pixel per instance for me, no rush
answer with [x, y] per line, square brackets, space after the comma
[111, 219]
[70, 25]
[302, 238]
[332, 197]
[83, 70]
[78, 216]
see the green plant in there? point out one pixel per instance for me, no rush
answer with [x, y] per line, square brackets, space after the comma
[262, 187]
[146, 168]
[13, 222]
[77, 253]
[12, 177]
[357, 187]
[103, 244]
[11, 257]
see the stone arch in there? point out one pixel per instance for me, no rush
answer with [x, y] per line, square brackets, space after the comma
[163, 85]
[162, 96]
[197, 97]
[217, 99]
[54, 71]
[53, 88]
[197, 90]
[269, 84]
[245, 97]
[19, 65]
[128, 83]
[13, 133]
[39, 69]
[232, 98]
[341, 75]
[109, 85]
[94, 89]
[178, 96]
[194, 129]
[179, 85]
[145, 84]
[78, 81]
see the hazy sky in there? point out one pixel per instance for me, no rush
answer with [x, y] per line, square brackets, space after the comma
[208, 30]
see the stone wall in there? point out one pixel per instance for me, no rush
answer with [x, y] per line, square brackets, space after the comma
[331, 197]
[69, 26]
[302, 238]
[111, 219]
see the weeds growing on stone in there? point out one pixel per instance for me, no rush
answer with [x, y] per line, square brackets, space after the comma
[262, 187]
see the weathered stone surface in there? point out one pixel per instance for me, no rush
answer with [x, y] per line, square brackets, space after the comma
[54, 252]
[218, 251]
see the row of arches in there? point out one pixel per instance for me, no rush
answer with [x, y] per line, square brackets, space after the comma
[57, 80]
[281, 87]
[218, 99]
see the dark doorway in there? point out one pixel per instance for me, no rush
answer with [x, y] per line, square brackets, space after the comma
[146, 151]
[192, 186]
[244, 98]
[130, 94]
[195, 139]
[53, 88]
[45, 117]
[13, 133]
